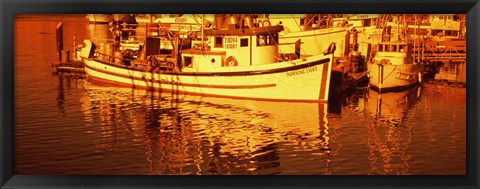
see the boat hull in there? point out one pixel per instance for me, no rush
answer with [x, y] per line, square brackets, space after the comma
[304, 81]
[393, 77]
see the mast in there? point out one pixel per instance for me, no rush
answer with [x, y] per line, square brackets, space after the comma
[203, 32]
[415, 41]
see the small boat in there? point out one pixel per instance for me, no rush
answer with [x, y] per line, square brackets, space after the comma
[240, 61]
[393, 67]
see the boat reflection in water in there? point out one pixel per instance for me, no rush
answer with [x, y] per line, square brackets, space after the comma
[200, 135]
[390, 133]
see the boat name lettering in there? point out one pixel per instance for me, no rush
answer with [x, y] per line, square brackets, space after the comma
[302, 71]
[362, 16]
[180, 20]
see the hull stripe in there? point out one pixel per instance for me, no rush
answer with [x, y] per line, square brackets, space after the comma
[100, 81]
[184, 84]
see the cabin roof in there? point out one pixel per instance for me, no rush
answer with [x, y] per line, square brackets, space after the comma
[246, 31]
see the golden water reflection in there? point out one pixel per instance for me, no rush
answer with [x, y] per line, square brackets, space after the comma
[198, 135]
[390, 133]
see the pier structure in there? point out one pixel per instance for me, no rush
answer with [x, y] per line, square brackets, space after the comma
[446, 59]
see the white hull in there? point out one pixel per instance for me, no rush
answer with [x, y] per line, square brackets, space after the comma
[394, 76]
[304, 81]
[317, 41]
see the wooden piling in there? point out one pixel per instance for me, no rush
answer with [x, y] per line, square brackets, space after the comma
[59, 32]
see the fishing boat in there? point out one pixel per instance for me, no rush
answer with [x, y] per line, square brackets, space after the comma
[182, 23]
[100, 18]
[315, 32]
[447, 27]
[368, 26]
[393, 67]
[240, 61]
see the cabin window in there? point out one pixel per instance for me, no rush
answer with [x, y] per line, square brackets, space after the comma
[387, 48]
[380, 48]
[188, 61]
[260, 40]
[367, 22]
[451, 33]
[402, 48]
[219, 42]
[244, 42]
[266, 39]
[394, 48]
[302, 21]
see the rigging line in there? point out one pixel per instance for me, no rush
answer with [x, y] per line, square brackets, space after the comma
[270, 34]
[395, 68]
[290, 46]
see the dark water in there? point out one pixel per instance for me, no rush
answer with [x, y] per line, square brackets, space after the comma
[67, 126]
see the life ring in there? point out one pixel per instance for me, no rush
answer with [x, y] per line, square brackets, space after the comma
[154, 62]
[230, 61]
[208, 25]
[266, 23]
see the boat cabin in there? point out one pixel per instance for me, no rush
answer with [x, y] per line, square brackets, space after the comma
[394, 52]
[242, 43]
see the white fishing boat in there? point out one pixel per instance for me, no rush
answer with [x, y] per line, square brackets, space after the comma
[176, 22]
[368, 26]
[146, 18]
[314, 32]
[447, 27]
[241, 61]
[317, 32]
[100, 18]
[393, 67]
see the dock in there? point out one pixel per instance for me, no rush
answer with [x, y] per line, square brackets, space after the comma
[444, 60]
[348, 74]
[76, 67]
[67, 62]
